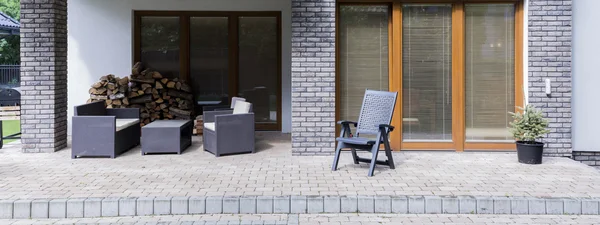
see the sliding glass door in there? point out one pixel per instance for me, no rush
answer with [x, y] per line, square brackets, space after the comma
[221, 54]
[457, 68]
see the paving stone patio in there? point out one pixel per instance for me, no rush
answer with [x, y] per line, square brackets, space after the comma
[321, 219]
[273, 171]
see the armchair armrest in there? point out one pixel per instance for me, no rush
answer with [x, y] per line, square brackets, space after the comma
[129, 113]
[384, 126]
[234, 123]
[342, 122]
[209, 116]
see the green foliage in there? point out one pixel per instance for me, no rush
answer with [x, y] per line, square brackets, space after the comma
[9, 46]
[529, 125]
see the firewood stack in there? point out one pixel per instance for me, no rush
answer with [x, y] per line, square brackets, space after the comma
[158, 97]
[198, 125]
[111, 89]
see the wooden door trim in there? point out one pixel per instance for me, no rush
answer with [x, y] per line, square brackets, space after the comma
[458, 76]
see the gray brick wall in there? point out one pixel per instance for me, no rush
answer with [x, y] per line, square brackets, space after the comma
[588, 158]
[43, 75]
[313, 77]
[550, 58]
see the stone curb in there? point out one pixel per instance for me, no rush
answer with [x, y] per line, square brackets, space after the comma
[144, 206]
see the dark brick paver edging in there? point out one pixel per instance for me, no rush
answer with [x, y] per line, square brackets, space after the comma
[144, 206]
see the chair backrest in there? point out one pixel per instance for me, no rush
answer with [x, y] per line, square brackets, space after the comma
[236, 99]
[241, 107]
[91, 109]
[377, 108]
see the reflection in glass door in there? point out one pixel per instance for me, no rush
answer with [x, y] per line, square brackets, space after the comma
[258, 79]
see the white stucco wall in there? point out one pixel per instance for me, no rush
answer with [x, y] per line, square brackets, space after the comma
[586, 75]
[101, 40]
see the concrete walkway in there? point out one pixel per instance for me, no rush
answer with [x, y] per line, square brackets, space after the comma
[322, 219]
[273, 181]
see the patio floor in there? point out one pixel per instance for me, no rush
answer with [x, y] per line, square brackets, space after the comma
[273, 171]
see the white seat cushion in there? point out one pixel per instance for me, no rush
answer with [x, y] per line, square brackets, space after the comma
[210, 126]
[125, 123]
[241, 107]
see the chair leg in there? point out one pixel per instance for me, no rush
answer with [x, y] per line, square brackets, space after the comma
[374, 151]
[354, 155]
[338, 150]
[390, 158]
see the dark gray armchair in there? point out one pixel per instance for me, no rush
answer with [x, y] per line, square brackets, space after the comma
[374, 119]
[101, 132]
[229, 132]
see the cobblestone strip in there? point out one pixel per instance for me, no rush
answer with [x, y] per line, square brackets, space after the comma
[147, 206]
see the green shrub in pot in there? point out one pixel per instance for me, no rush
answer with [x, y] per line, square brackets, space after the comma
[527, 127]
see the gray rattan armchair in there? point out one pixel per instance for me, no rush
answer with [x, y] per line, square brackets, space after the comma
[375, 118]
[229, 132]
[102, 132]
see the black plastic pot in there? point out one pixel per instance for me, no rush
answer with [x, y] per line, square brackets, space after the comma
[530, 153]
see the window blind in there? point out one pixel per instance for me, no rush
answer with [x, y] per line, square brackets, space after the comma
[490, 66]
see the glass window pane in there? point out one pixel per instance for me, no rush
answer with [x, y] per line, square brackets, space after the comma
[490, 67]
[160, 44]
[427, 72]
[209, 60]
[258, 66]
[363, 54]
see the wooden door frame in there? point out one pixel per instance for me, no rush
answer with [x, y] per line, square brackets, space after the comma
[233, 23]
[458, 142]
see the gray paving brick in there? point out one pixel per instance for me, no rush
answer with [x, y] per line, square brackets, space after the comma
[450, 205]
[127, 207]
[40, 209]
[468, 205]
[144, 206]
[92, 207]
[554, 206]
[519, 206]
[485, 205]
[590, 206]
[180, 205]
[572, 206]
[22, 209]
[383, 204]
[214, 204]
[332, 204]
[416, 204]
[349, 204]
[502, 205]
[231, 205]
[399, 204]
[6, 209]
[298, 204]
[162, 206]
[197, 205]
[75, 208]
[264, 204]
[248, 205]
[281, 204]
[366, 204]
[315, 204]
[57, 208]
[433, 205]
[537, 206]
[110, 207]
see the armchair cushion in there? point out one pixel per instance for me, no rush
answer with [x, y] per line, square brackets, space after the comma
[210, 126]
[241, 107]
[125, 123]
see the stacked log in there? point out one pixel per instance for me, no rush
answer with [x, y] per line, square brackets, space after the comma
[198, 125]
[159, 98]
[111, 89]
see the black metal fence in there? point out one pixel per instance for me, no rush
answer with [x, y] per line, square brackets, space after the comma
[10, 75]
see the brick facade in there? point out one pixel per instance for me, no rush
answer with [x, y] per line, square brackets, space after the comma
[550, 58]
[43, 75]
[313, 77]
[588, 158]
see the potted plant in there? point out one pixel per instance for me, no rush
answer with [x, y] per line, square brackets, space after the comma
[527, 127]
